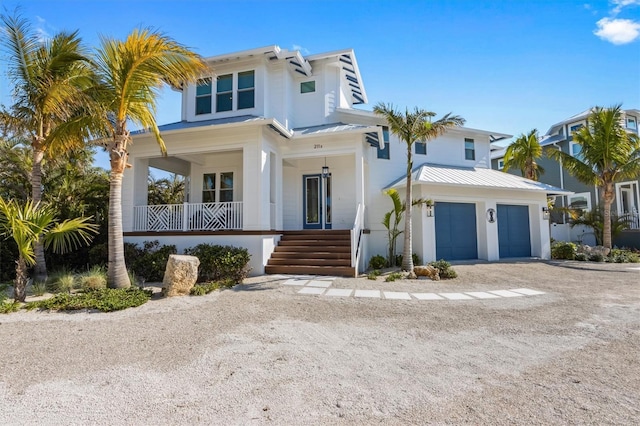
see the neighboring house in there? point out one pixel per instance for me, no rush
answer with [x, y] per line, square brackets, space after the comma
[627, 199]
[279, 161]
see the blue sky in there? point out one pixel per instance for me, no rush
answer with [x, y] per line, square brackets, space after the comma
[505, 66]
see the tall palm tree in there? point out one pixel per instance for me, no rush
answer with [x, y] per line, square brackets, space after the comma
[523, 153]
[409, 127]
[131, 73]
[609, 154]
[50, 78]
[26, 224]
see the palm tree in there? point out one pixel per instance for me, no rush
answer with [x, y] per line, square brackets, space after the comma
[412, 126]
[49, 79]
[26, 224]
[131, 73]
[609, 154]
[167, 190]
[523, 153]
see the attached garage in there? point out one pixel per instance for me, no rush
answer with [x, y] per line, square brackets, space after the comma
[514, 237]
[456, 232]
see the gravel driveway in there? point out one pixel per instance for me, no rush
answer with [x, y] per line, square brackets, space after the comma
[262, 353]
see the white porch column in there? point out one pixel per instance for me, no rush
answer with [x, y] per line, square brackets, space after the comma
[255, 187]
[134, 190]
[539, 231]
[487, 231]
[360, 178]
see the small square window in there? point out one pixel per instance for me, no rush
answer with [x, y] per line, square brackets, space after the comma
[469, 149]
[421, 148]
[308, 86]
[501, 164]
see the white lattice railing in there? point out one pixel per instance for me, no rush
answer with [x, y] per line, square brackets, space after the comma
[188, 217]
[356, 234]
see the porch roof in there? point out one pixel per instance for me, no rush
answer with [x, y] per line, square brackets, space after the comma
[474, 177]
[332, 128]
[228, 122]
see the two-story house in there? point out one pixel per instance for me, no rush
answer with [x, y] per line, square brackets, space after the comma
[277, 159]
[584, 197]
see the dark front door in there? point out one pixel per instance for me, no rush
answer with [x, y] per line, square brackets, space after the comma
[314, 210]
[456, 232]
[513, 231]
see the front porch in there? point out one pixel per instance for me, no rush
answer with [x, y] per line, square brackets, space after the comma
[188, 217]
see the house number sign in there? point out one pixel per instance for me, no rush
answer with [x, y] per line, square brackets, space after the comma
[491, 215]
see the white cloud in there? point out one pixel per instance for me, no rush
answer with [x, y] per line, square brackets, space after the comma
[618, 31]
[302, 50]
[621, 4]
[43, 34]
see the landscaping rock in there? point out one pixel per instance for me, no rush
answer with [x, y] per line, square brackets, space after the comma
[427, 271]
[593, 251]
[180, 275]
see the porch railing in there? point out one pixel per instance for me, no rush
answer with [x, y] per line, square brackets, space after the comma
[633, 220]
[188, 217]
[356, 235]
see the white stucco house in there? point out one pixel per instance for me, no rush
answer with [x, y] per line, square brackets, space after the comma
[279, 160]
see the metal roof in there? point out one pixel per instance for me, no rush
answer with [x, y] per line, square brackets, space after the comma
[181, 125]
[475, 177]
[329, 128]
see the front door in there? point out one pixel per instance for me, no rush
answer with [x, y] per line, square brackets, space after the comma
[315, 210]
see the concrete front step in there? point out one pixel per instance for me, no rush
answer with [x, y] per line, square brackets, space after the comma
[343, 271]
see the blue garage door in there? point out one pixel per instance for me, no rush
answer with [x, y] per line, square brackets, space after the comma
[513, 231]
[456, 234]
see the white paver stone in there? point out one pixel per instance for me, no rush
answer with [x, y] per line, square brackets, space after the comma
[339, 292]
[367, 293]
[506, 293]
[427, 296]
[482, 295]
[326, 278]
[455, 296]
[397, 295]
[318, 283]
[311, 290]
[294, 281]
[527, 291]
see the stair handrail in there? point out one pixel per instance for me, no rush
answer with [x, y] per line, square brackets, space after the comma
[356, 236]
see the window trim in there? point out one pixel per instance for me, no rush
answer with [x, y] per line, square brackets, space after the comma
[217, 183]
[423, 147]
[224, 93]
[302, 83]
[472, 150]
[586, 195]
[245, 89]
[207, 95]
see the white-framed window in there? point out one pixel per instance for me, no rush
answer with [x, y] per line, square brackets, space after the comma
[632, 123]
[308, 86]
[469, 149]
[575, 127]
[579, 201]
[217, 187]
[575, 149]
[224, 93]
[385, 153]
[234, 92]
[203, 96]
[421, 148]
[627, 197]
[501, 164]
[246, 89]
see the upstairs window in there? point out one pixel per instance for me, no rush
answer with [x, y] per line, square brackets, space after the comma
[501, 164]
[576, 150]
[307, 87]
[580, 201]
[575, 128]
[421, 148]
[224, 93]
[385, 153]
[632, 124]
[246, 90]
[469, 149]
[203, 96]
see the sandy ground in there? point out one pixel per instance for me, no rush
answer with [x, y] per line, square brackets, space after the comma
[261, 353]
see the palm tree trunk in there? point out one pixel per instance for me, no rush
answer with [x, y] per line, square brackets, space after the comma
[40, 268]
[20, 283]
[608, 196]
[117, 275]
[407, 260]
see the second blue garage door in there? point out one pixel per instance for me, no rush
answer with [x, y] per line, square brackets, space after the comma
[456, 233]
[513, 231]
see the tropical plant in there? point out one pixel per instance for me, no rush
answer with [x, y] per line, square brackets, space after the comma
[523, 153]
[50, 79]
[409, 127]
[595, 220]
[166, 190]
[609, 154]
[30, 222]
[130, 75]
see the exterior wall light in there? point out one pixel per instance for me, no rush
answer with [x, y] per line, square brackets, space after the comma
[546, 213]
[325, 171]
[430, 209]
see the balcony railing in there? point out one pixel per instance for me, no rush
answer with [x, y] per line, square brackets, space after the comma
[188, 217]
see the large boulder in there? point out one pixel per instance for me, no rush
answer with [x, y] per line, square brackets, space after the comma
[180, 275]
[427, 271]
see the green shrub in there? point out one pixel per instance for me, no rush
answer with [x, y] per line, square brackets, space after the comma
[38, 288]
[149, 261]
[62, 281]
[623, 256]
[596, 257]
[105, 300]
[94, 279]
[378, 262]
[563, 250]
[581, 257]
[444, 269]
[394, 276]
[414, 257]
[373, 275]
[221, 262]
[205, 288]
[8, 307]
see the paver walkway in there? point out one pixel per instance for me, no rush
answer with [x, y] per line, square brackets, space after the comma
[320, 286]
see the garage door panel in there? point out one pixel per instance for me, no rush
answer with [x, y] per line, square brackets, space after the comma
[456, 231]
[513, 231]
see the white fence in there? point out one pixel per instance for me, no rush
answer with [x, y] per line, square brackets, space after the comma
[188, 217]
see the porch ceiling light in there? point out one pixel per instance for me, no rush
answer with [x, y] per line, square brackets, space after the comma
[546, 213]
